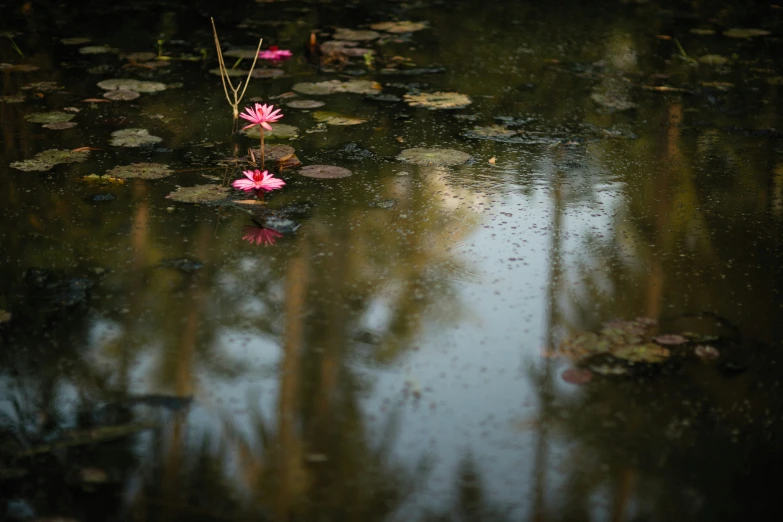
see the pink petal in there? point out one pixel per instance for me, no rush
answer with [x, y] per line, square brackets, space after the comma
[266, 125]
[244, 184]
[250, 174]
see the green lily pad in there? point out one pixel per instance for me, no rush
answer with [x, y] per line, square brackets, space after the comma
[140, 171]
[276, 153]
[325, 172]
[305, 104]
[59, 125]
[13, 98]
[279, 131]
[97, 49]
[405, 26]
[49, 117]
[642, 353]
[76, 40]
[42, 87]
[332, 118]
[713, 59]
[47, 159]
[20, 67]
[133, 138]
[745, 33]
[199, 194]
[354, 35]
[493, 132]
[121, 95]
[437, 157]
[335, 86]
[128, 84]
[438, 100]
[5, 316]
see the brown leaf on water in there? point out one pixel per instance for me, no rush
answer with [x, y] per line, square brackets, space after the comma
[96, 100]
[84, 149]
[665, 37]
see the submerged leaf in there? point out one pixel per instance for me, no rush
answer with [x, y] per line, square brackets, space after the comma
[405, 26]
[128, 84]
[49, 117]
[324, 172]
[670, 339]
[199, 194]
[140, 171]
[355, 35]
[332, 118]
[438, 100]
[133, 138]
[745, 33]
[435, 156]
[305, 104]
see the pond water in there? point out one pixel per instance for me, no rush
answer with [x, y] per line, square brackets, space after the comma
[580, 321]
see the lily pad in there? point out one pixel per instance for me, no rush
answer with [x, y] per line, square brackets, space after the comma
[97, 49]
[20, 67]
[438, 100]
[5, 316]
[266, 73]
[140, 171]
[279, 131]
[745, 33]
[642, 353]
[13, 98]
[325, 172]
[129, 84]
[199, 194]
[305, 104]
[355, 35]
[133, 138]
[121, 95]
[706, 352]
[276, 153]
[76, 40]
[332, 118]
[42, 87]
[405, 26]
[437, 157]
[713, 59]
[141, 56]
[59, 125]
[670, 339]
[493, 132]
[49, 117]
[335, 86]
[49, 158]
[702, 32]
[344, 47]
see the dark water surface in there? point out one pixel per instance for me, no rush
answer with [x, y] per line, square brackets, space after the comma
[401, 355]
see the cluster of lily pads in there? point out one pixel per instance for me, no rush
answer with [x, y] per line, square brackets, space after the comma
[623, 346]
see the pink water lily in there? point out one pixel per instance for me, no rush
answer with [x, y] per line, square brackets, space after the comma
[261, 236]
[261, 115]
[257, 180]
[274, 54]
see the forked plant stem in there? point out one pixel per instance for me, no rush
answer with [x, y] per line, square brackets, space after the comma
[227, 80]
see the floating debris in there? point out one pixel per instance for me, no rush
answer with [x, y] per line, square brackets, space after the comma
[577, 376]
[199, 194]
[49, 117]
[47, 159]
[355, 35]
[76, 40]
[706, 352]
[745, 33]
[20, 67]
[121, 95]
[97, 49]
[336, 86]
[140, 171]
[128, 84]
[333, 118]
[133, 138]
[438, 100]
[405, 26]
[434, 156]
[325, 172]
[305, 104]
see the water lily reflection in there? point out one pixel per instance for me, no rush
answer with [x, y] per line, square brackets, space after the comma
[260, 235]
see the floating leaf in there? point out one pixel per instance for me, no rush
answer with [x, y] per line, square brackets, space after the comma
[142, 56]
[76, 40]
[49, 158]
[345, 48]
[745, 33]
[97, 49]
[140, 171]
[405, 26]
[59, 125]
[279, 131]
[438, 157]
[49, 117]
[438, 100]
[21, 67]
[354, 35]
[577, 376]
[5, 316]
[332, 118]
[266, 73]
[121, 95]
[642, 353]
[103, 179]
[335, 86]
[706, 352]
[713, 59]
[13, 98]
[276, 153]
[670, 339]
[199, 194]
[133, 138]
[42, 87]
[305, 104]
[493, 132]
[131, 85]
[324, 172]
